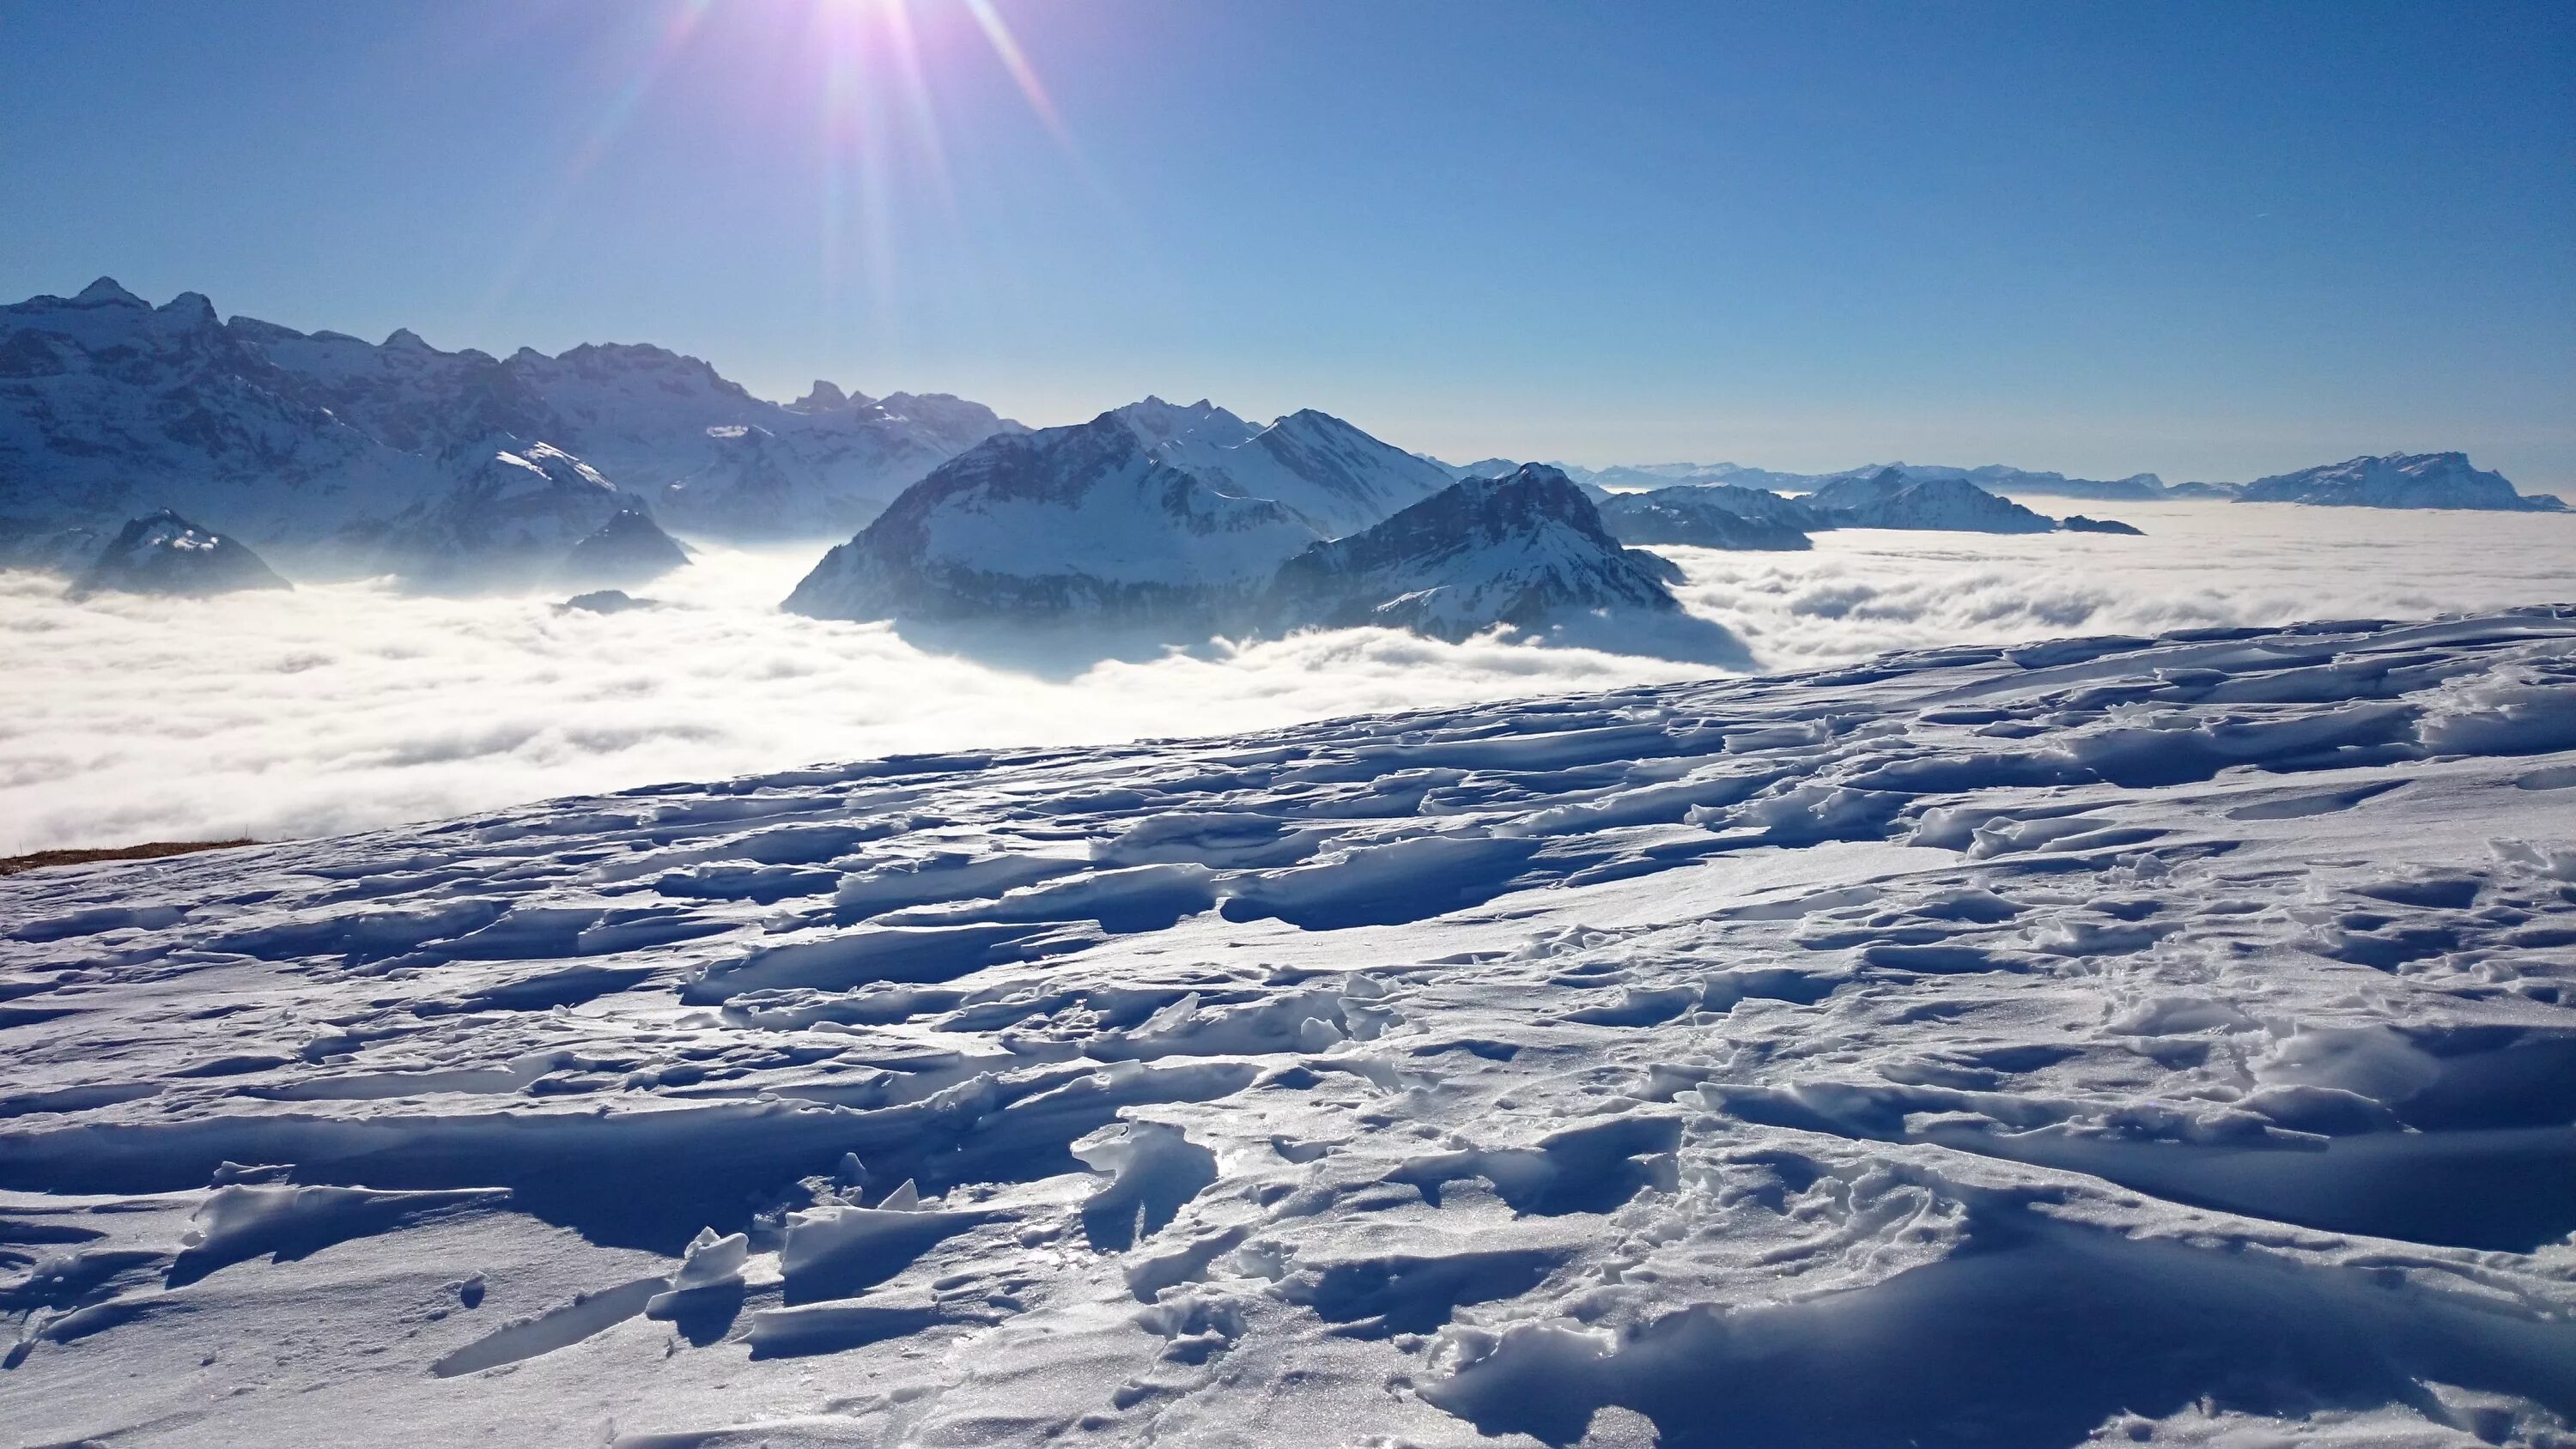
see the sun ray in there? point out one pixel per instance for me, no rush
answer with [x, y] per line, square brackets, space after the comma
[556, 201]
[1016, 61]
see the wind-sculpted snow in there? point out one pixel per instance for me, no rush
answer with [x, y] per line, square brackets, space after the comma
[2165, 1040]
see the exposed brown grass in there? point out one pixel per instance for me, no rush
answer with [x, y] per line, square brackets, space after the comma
[150, 850]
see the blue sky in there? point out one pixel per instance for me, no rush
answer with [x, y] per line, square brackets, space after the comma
[2208, 240]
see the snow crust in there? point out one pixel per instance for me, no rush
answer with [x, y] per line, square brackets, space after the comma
[2121, 1039]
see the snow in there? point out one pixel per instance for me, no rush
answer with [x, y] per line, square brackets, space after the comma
[2124, 1039]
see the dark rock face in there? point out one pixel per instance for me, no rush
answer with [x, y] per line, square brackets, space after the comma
[603, 601]
[2078, 523]
[162, 553]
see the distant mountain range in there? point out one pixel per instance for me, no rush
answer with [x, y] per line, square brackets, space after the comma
[157, 447]
[1189, 519]
[451, 466]
[2420, 480]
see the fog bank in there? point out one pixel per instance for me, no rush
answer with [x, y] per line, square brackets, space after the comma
[343, 706]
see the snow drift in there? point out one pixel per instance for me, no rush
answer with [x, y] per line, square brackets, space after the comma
[2141, 1039]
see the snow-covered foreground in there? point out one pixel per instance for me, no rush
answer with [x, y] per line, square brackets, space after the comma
[341, 707]
[2125, 1039]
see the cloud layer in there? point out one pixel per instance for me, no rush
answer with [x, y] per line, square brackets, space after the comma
[346, 706]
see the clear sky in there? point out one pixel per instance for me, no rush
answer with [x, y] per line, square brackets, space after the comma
[2212, 240]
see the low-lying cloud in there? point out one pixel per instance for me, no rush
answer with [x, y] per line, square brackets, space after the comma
[346, 706]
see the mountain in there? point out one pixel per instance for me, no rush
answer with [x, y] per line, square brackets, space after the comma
[110, 408]
[162, 553]
[1331, 475]
[1997, 478]
[1647, 477]
[1521, 550]
[1711, 516]
[321, 441]
[1486, 468]
[628, 549]
[2399, 480]
[1888, 498]
[1083, 522]
[666, 427]
[1155, 513]
[519, 516]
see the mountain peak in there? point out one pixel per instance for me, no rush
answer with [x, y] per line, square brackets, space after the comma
[403, 339]
[1157, 421]
[827, 397]
[194, 306]
[106, 293]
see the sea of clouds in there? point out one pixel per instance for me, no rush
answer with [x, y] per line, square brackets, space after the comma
[344, 706]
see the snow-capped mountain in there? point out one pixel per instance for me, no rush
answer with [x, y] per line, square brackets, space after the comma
[521, 515]
[1079, 522]
[111, 408]
[162, 553]
[2399, 480]
[1889, 498]
[318, 442]
[1712, 516]
[1522, 550]
[1335, 477]
[2099, 1041]
[664, 426]
[1153, 512]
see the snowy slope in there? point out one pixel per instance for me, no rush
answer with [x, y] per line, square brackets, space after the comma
[1525, 550]
[2164, 1041]
[2420, 480]
[1333, 477]
[162, 553]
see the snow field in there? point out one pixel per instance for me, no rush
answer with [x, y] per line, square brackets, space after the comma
[2143, 1039]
